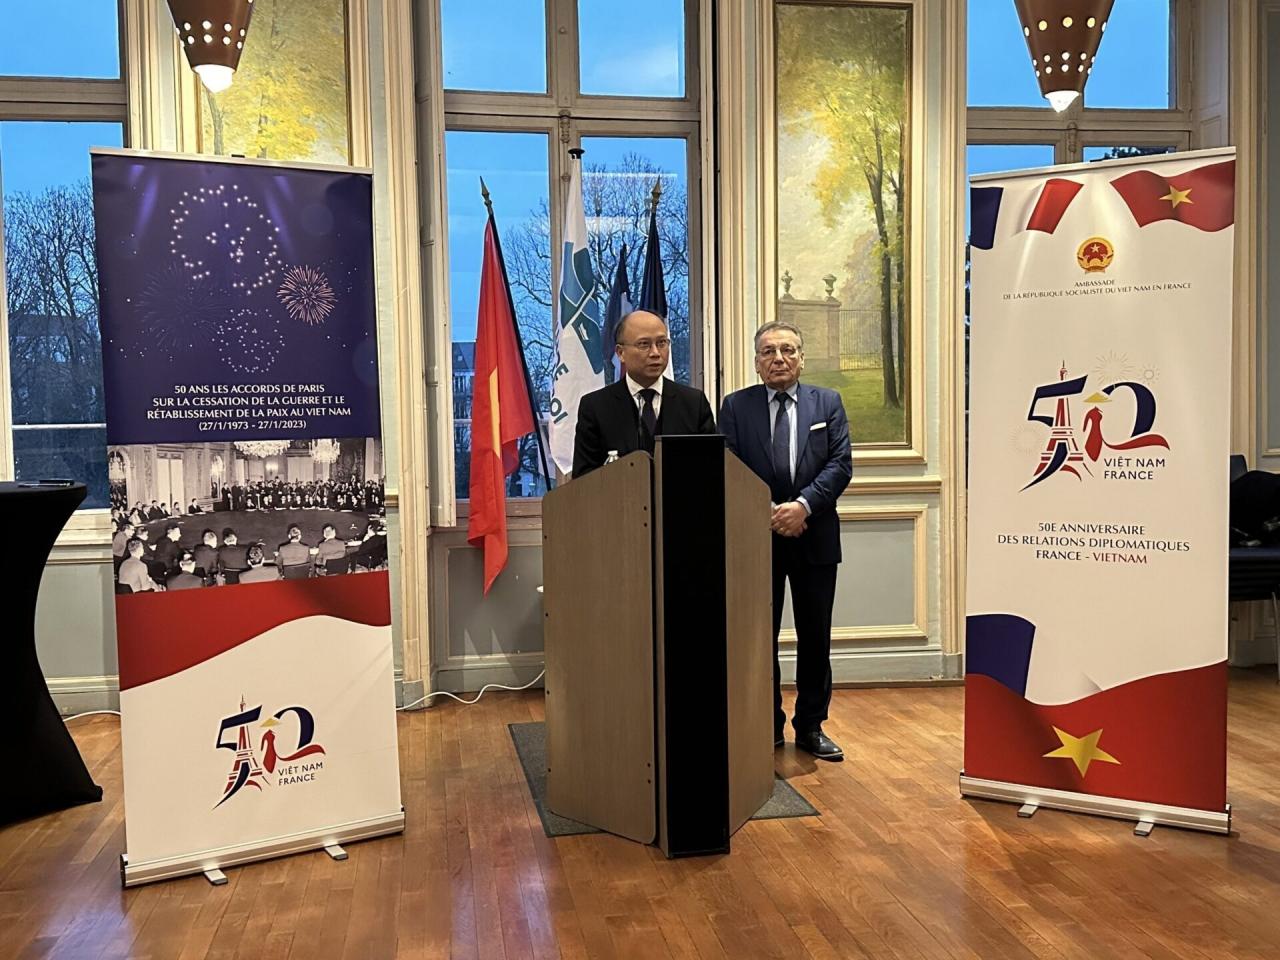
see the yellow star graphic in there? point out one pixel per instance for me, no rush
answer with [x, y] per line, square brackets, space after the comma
[1176, 196]
[1081, 750]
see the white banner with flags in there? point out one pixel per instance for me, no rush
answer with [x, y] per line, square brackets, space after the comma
[1098, 444]
[579, 345]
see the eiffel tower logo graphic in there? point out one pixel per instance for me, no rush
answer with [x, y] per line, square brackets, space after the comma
[1061, 452]
[245, 770]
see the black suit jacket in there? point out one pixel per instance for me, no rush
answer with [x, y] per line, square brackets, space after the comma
[824, 463]
[167, 552]
[608, 420]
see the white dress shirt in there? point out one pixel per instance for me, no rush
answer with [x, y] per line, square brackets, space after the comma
[635, 389]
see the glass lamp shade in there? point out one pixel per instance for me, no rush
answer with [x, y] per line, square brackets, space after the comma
[215, 76]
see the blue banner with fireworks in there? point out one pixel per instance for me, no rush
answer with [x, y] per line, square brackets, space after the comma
[248, 494]
[237, 300]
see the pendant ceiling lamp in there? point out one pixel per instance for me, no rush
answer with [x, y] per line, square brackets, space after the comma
[1063, 37]
[212, 33]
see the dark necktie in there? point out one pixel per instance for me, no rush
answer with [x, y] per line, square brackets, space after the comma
[648, 419]
[782, 444]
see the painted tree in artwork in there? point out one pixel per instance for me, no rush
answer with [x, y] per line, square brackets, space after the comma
[289, 97]
[843, 76]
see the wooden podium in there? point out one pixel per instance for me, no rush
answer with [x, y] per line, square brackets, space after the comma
[659, 684]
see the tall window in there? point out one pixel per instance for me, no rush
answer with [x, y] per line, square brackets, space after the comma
[61, 92]
[526, 80]
[1135, 101]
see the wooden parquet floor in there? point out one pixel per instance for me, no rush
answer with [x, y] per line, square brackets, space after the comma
[898, 865]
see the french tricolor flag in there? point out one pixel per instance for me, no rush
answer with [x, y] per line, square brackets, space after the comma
[1042, 209]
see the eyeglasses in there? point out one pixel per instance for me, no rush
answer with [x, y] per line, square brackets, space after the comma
[786, 351]
[644, 346]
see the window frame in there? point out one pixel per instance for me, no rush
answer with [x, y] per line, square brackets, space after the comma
[1082, 125]
[566, 116]
[60, 99]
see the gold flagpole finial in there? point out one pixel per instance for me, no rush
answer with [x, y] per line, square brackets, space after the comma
[484, 192]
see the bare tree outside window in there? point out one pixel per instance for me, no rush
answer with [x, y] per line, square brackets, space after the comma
[616, 199]
[55, 358]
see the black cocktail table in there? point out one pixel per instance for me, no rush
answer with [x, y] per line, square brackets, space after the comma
[43, 769]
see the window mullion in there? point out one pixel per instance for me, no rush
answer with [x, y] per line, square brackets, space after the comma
[564, 51]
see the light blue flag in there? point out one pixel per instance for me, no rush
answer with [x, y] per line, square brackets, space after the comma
[579, 344]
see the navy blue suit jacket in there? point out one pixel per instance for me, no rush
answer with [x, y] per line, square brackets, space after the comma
[824, 462]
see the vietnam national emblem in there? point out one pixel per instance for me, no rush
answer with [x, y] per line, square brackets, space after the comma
[1095, 254]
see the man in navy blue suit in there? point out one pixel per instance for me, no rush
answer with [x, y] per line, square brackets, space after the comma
[795, 438]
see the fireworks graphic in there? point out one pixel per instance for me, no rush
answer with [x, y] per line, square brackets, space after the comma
[307, 296]
[178, 314]
[1113, 367]
[250, 344]
[220, 225]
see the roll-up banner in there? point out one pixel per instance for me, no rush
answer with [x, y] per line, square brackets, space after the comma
[245, 464]
[1099, 426]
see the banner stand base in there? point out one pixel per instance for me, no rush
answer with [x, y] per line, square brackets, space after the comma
[1147, 815]
[211, 862]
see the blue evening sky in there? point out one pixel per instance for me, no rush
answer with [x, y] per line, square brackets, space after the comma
[39, 154]
[514, 166]
[59, 38]
[1132, 68]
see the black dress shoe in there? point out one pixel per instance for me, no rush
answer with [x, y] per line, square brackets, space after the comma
[820, 745]
[778, 739]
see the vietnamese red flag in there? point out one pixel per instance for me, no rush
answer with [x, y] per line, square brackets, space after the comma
[500, 412]
[1203, 198]
[1134, 741]
[1137, 741]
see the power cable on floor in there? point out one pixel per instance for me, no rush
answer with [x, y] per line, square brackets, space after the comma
[438, 693]
[487, 686]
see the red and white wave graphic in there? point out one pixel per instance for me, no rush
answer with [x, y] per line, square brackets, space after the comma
[162, 634]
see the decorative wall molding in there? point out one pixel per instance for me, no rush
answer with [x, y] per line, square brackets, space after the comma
[953, 422]
[392, 95]
[849, 636]
[879, 486]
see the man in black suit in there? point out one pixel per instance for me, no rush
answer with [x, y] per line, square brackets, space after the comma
[795, 438]
[169, 550]
[628, 414]
[206, 556]
[232, 557]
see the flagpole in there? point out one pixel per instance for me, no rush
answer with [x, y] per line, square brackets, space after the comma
[515, 323]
